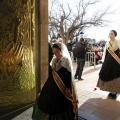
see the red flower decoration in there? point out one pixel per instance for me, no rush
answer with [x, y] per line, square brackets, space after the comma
[95, 89]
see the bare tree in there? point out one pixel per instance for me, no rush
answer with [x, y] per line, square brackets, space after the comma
[69, 21]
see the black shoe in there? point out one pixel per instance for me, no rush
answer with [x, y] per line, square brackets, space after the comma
[80, 79]
[114, 96]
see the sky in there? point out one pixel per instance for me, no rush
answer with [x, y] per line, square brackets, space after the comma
[100, 33]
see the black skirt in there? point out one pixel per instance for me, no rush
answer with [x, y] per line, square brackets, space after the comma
[51, 99]
[110, 68]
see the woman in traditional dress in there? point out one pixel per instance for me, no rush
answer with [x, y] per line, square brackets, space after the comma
[109, 76]
[57, 100]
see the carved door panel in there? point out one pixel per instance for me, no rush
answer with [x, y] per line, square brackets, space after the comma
[17, 66]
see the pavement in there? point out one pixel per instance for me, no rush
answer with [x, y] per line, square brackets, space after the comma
[93, 103]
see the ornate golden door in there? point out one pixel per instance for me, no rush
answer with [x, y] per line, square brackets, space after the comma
[17, 64]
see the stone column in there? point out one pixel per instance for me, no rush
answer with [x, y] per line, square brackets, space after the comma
[41, 43]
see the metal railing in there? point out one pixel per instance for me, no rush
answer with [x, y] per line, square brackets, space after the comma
[90, 59]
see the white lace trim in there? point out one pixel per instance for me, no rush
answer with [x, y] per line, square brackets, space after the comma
[62, 62]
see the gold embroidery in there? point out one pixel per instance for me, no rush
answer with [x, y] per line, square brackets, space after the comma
[114, 55]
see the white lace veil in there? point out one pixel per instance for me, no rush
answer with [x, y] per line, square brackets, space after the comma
[66, 54]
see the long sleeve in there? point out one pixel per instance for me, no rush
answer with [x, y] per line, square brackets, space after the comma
[65, 76]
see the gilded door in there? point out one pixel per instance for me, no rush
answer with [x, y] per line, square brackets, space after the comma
[17, 66]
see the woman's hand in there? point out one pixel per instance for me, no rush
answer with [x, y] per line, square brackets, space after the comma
[67, 91]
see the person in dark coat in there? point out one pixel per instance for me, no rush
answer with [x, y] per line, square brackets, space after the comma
[70, 48]
[80, 54]
[69, 45]
[50, 56]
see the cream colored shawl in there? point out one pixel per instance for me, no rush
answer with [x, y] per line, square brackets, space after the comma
[62, 62]
[112, 46]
